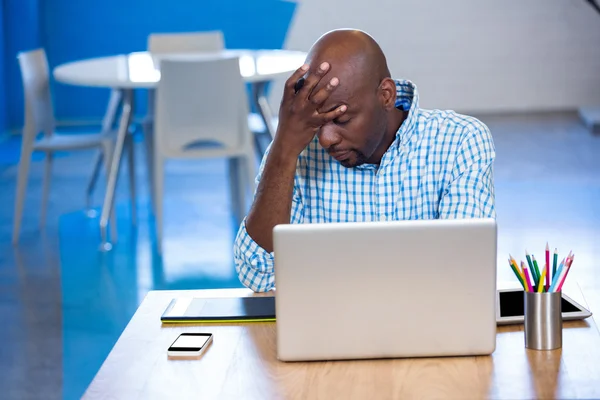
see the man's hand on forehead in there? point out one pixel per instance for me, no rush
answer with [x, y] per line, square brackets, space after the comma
[299, 115]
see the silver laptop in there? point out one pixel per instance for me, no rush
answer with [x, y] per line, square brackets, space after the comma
[385, 289]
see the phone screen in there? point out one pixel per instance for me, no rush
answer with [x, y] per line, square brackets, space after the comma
[190, 342]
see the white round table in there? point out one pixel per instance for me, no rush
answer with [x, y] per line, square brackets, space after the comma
[141, 70]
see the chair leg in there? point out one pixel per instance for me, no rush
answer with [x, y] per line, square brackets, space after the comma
[131, 170]
[108, 149]
[237, 190]
[46, 189]
[23, 176]
[92, 183]
[149, 144]
[159, 177]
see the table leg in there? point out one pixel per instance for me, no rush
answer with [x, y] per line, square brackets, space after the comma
[149, 144]
[110, 117]
[262, 105]
[109, 198]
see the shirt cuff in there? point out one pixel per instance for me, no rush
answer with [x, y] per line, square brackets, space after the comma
[253, 264]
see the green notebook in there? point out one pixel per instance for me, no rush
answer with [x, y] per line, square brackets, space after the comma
[228, 309]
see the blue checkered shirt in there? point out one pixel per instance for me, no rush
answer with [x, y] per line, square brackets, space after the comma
[440, 165]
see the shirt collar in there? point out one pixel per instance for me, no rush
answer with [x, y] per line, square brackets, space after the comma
[407, 99]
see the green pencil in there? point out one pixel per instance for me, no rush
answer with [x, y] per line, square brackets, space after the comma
[519, 277]
[537, 270]
[530, 264]
[554, 262]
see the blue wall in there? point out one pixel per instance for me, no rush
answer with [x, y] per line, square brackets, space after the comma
[22, 32]
[3, 114]
[72, 29]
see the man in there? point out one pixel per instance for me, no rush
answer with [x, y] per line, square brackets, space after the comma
[353, 145]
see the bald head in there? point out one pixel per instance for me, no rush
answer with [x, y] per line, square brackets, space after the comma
[357, 78]
[355, 58]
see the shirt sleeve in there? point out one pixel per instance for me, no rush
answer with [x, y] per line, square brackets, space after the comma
[253, 264]
[470, 193]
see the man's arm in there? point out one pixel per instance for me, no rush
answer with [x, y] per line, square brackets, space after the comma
[273, 200]
[254, 265]
[470, 193]
[299, 121]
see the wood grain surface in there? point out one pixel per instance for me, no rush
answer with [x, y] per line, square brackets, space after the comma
[242, 364]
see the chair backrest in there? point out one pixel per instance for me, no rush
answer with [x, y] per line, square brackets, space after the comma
[201, 101]
[39, 112]
[192, 42]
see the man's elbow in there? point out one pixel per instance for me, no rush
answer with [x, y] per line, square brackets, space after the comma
[258, 285]
[253, 277]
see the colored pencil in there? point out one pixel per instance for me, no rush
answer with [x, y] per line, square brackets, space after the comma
[512, 260]
[540, 287]
[527, 278]
[547, 267]
[532, 271]
[559, 279]
[536, 271]
[519, 270]
[564, 278]
[529, 260]
[570, 260]
[560, 275]
[514, 263]
[516, 271]
[558, 272]
[554, 263]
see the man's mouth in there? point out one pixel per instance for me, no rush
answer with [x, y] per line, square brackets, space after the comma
[340, 155]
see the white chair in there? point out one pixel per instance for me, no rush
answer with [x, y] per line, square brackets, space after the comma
[185, 42]
[39, 119]
[203, 102]
[170, 43]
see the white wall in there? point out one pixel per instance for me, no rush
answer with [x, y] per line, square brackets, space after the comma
[473, 55]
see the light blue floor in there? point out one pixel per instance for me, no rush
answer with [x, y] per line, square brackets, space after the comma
[67, 303]
[101, 291]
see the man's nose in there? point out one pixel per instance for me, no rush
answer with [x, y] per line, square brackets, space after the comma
[328, 135]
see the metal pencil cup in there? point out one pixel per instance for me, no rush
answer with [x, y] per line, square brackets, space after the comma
[543, 320]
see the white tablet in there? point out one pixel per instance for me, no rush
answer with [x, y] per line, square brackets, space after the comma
[510, 306]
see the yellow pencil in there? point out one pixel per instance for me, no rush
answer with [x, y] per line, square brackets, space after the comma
[540, 288]
[519, 270]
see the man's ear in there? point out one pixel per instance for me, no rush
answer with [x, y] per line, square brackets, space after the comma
[387, 93]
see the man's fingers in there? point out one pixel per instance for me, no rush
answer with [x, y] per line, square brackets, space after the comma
[322, 95]
[293, 79]
[312, 79]
[331, 115]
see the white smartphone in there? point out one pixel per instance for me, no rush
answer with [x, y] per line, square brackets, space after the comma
[190, 345]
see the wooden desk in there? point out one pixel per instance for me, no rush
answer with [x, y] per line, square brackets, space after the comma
[242, 364]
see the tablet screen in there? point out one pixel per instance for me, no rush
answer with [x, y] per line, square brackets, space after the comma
[512, 304]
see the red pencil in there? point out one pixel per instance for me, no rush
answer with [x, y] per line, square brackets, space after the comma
[570, 260]
[560, 285]
[547, 267]
[528, 284]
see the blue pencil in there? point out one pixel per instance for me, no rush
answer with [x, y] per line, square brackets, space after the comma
[556, 275]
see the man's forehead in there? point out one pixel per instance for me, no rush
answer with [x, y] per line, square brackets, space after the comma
[345, 86]
[349, 90]
[340, 95]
